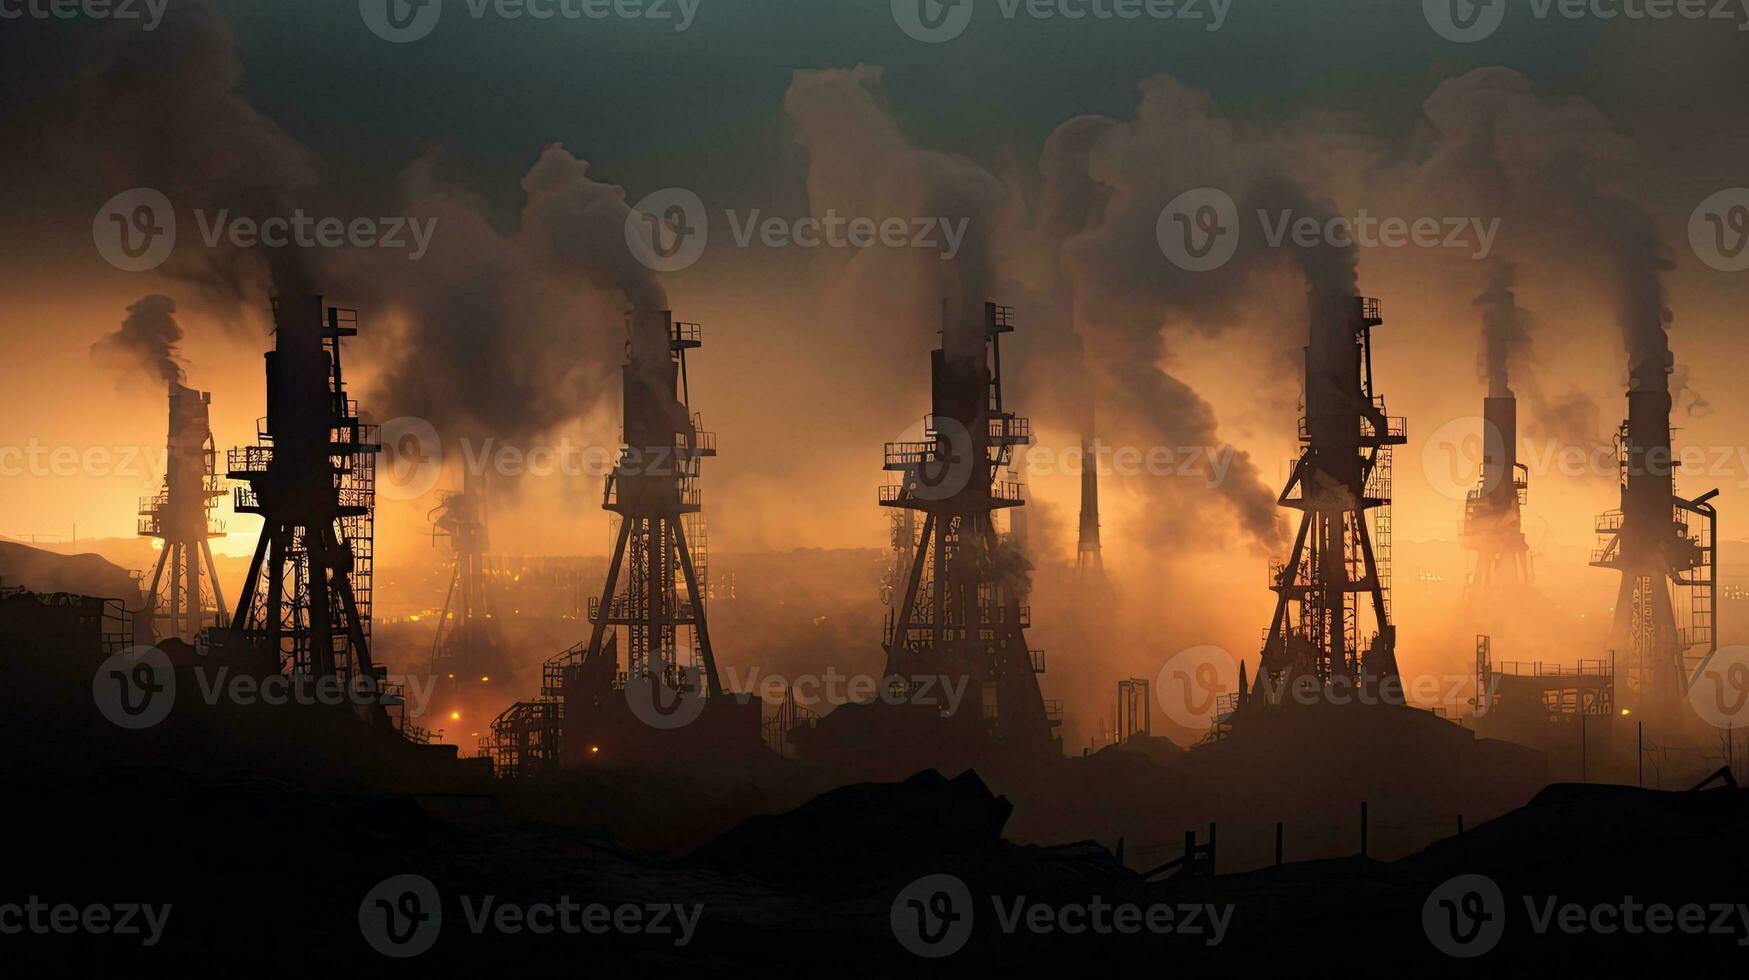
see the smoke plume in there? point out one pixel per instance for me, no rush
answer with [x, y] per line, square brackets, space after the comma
[1504, 334]
[161, 110]
[509, 334]
[145, 343]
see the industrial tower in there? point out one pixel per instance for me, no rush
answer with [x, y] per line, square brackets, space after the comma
[1322, 628]
[961, 617]
[1493, 525]
[659, 549]
[181, 516]
[1666, 549]
[311, 476]
[1089, 559]
[466, 633]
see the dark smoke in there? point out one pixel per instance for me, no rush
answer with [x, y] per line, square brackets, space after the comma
[162, 110]
[145, 342]
[1505, 337]
[506, 334]
[1561, 168]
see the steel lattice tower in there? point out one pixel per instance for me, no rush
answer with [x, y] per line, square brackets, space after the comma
[1343, 474]
[1493, 523]
[465, 634]
[961, 615]
[1089, 558]
[312, 478]
[1662, 558]
[181, 516]
[659, 547]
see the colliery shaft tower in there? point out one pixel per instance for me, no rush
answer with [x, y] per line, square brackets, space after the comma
[1493, 511]
[181, 601]
[654, 596]
[1332, 618]
[1666, 549]
[466, 634]
[1089, 556]
[960, 619]
[311, 477]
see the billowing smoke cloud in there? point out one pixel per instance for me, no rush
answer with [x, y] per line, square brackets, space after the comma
[1505, 335]
[145, 343]
[162, 110]
[1559, 168]
[859, 164]
[1107, 183]
[507, 334]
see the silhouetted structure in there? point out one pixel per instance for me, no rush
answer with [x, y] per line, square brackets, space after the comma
[1666, 549]
[664, 703]
[960, 624]
[1089, 557]
[1321, 628]
[311, 477]
[1135, 704]
[1493, 525]
[181, 601]
[467, 635]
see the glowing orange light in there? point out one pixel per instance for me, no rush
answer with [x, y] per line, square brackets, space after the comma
[455, 716]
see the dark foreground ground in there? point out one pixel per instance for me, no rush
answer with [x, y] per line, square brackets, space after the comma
[262, 877]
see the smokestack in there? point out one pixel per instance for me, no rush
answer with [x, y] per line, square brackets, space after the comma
[1088, 555]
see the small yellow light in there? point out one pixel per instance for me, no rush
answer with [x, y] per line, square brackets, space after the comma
[484, 679]
[594, 748]
[455, 716]
[1625, 711]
